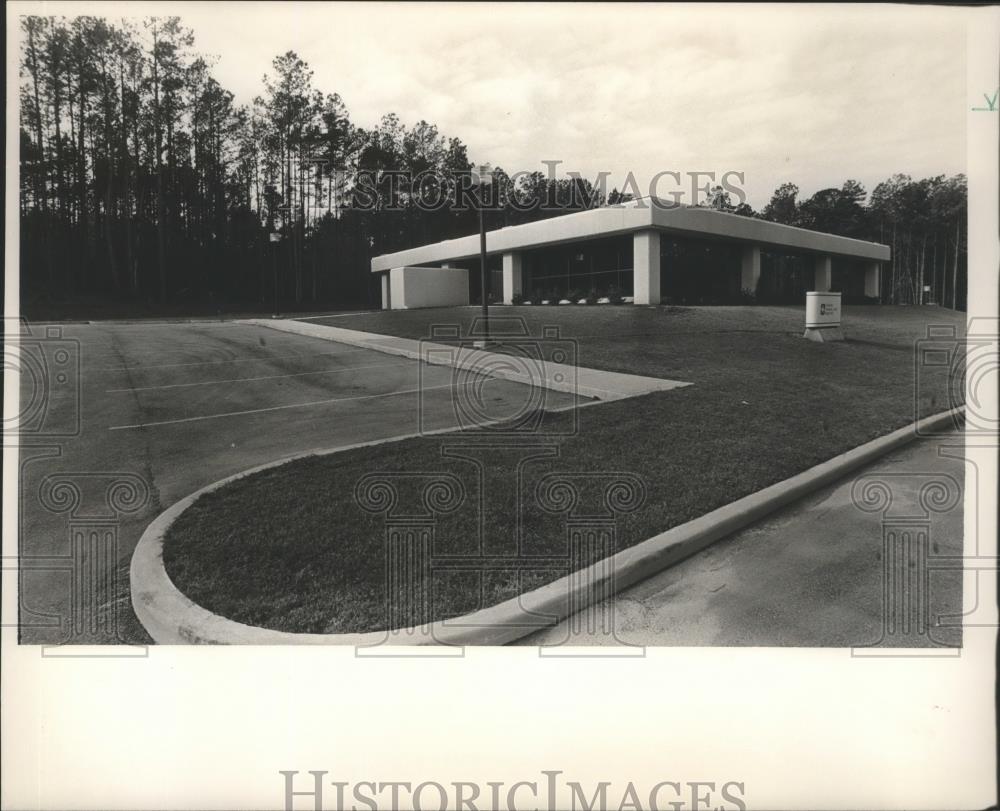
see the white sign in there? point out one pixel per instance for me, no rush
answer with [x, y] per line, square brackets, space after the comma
[822, 310]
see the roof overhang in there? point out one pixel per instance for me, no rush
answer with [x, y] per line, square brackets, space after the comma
[687, 221]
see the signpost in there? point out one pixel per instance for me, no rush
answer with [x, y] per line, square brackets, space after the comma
[823, 317]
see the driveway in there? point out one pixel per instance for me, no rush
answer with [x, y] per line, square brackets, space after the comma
[166, 408]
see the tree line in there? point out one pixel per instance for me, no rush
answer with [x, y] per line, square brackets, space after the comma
[143, 182]
[923, 221]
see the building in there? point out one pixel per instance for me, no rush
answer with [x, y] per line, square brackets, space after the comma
[651, 251]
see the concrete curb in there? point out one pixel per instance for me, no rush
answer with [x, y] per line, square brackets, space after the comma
[564, 377]
[171, 618]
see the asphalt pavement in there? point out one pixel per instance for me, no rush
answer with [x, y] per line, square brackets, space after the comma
[844, 567]
[151, 412]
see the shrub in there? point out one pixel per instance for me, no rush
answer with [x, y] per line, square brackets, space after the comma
[517, 298]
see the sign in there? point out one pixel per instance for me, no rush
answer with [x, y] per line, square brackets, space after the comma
[275, 236]
[822, 310]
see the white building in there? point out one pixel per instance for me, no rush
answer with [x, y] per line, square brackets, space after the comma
[648, 250]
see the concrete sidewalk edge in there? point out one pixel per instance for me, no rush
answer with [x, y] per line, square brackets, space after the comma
[171, 618]
[562, 377]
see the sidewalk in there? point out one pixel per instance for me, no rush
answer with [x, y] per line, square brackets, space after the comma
[562, 377]
[810, 575]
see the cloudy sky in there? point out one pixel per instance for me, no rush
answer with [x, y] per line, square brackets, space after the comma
[812, 95]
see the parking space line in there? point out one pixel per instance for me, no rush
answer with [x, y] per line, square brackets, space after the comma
[142, 366]
[279, 408]
[252, 379]
[335, 315]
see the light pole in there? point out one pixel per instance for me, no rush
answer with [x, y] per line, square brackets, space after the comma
[483, 176]
[275, 239]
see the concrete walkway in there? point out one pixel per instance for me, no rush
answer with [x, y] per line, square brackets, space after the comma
[810, 575]
[562, 377]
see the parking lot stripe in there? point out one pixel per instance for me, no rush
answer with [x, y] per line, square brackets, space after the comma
[279, 408]
[140, 366]
[252, 379]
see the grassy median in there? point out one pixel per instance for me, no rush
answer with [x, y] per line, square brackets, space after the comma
[292, 549]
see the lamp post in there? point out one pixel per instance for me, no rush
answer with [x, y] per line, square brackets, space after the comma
[275, 239]
[483, 177]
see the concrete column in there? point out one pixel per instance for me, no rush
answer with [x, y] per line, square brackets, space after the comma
[873, 278]
[646, 267]
[823, 275]
[397, 289]
[384, 278]
[511, 276]
[750, 268]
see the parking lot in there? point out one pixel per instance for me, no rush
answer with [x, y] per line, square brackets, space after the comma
[155, 411]
[166, 408]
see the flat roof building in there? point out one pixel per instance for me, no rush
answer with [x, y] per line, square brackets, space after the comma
[649, 250]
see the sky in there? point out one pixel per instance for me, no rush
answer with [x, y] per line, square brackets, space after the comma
[812, 95]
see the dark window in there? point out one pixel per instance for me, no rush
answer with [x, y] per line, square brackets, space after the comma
[694, 271]
[597, 266]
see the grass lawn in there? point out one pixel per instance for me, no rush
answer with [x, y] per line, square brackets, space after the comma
[291, 549]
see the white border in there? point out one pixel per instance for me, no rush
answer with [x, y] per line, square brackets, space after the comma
[210, 728]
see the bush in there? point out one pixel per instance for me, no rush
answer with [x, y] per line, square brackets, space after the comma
[517, 298]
